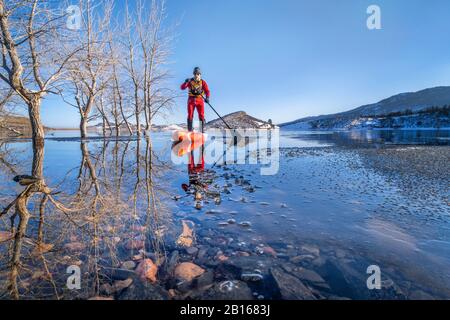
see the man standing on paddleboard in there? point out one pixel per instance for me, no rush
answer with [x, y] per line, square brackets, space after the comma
[198, 90]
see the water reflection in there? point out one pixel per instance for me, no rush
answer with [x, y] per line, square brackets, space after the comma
[365, 138]
[86, 219]
[122, 211]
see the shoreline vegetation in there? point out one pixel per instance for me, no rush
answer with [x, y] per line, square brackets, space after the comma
[112, 71]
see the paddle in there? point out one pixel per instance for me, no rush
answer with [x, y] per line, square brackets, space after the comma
[235, 138]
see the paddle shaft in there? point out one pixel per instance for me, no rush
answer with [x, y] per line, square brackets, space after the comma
[218, 114]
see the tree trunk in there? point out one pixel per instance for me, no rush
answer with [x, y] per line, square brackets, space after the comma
[37, 169]
[83, 127]
[138, 125]
[136, 101]
[37, 129]
[104, 126]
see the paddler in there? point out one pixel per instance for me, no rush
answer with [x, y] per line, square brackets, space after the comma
[198, 95]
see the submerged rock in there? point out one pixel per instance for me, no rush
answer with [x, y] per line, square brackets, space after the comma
[173, 261]
[252, 277]
[128, 265]
[147, 270]
[121, 285]
[116, 287]
[139, 290]
[311, 249]
[192, 251]
[186, 238]
[270, 251]
[307, 275]
[229, 290]
[238, 266]
[187, 271]
[290, 287]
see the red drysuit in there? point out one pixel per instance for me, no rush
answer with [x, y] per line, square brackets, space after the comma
[196, 101]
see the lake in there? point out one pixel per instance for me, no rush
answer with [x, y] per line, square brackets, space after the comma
[295, 215]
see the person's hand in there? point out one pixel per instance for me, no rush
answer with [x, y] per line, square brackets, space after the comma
[207, 100]
[187, 80]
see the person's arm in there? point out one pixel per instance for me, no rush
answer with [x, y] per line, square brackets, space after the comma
[206, 89]
[185, 85]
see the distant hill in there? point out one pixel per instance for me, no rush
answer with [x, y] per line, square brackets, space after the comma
[239, 120]
[425, 108]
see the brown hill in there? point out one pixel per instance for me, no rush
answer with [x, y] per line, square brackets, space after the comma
[239, 120]
[13, 126]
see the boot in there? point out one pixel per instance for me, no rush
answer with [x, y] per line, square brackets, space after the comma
[202, 126]
[189, 125]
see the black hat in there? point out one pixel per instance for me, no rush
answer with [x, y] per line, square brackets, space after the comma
[197, 70]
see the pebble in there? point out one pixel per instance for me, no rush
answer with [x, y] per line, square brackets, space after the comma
[128, 265]
[300, 258]
[187, 271]
[214, 211]
[75, 246]
[246, 224]
[192, 250]
[252, 277]
[311, 249]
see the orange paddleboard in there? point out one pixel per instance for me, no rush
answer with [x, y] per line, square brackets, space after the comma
[186, 142]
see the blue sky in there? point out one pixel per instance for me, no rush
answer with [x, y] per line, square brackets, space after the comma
[287, 59]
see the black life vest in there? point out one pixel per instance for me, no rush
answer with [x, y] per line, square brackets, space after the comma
[196, 88]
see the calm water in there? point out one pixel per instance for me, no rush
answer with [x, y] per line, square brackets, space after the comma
[340, 202]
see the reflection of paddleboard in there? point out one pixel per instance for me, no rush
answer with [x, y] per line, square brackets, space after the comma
[196, 137]
[186, 141]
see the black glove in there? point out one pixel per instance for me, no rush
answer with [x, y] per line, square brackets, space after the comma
[207, 100]
[187, 80]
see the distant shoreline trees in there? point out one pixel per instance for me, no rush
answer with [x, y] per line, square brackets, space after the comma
[113, 68]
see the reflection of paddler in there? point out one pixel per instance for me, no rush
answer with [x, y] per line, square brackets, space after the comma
[197, 185]
[194, 168]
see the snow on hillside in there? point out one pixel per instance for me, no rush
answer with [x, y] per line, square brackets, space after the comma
[427, 108]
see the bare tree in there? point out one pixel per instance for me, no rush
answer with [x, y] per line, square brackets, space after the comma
[88, 73]
[32, 59]
[117, 87]
[155, 41]
[131, 65]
